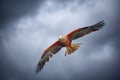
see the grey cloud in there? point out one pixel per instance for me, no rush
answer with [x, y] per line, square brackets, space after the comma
[14, 9]
[29, 35]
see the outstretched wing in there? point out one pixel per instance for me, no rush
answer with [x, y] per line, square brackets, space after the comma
[53, 49]
[85, 30]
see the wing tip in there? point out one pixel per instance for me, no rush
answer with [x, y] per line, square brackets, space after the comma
[39, 66]
[99, 25]
[38, 69]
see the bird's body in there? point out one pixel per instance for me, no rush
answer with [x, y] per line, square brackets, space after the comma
[66, 41]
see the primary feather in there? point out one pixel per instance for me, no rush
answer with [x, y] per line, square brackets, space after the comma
[85, 30]
[49, 52]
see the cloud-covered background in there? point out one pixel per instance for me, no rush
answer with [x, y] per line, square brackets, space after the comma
[28, 27]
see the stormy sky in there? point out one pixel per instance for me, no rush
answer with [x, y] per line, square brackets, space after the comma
[28, 27]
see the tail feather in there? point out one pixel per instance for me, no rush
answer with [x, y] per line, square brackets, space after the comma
[72, 48]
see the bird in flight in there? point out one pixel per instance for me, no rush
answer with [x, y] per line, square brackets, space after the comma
[66, 41]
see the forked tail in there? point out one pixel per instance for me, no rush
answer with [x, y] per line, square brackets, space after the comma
[72, 48]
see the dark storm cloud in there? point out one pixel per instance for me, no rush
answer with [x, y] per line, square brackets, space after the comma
[14, 9]
[97, 59]
[11, 10]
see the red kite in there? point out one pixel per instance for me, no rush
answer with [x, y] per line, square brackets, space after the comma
[66, 41]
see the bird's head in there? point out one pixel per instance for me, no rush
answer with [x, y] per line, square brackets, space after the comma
[61, 37]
